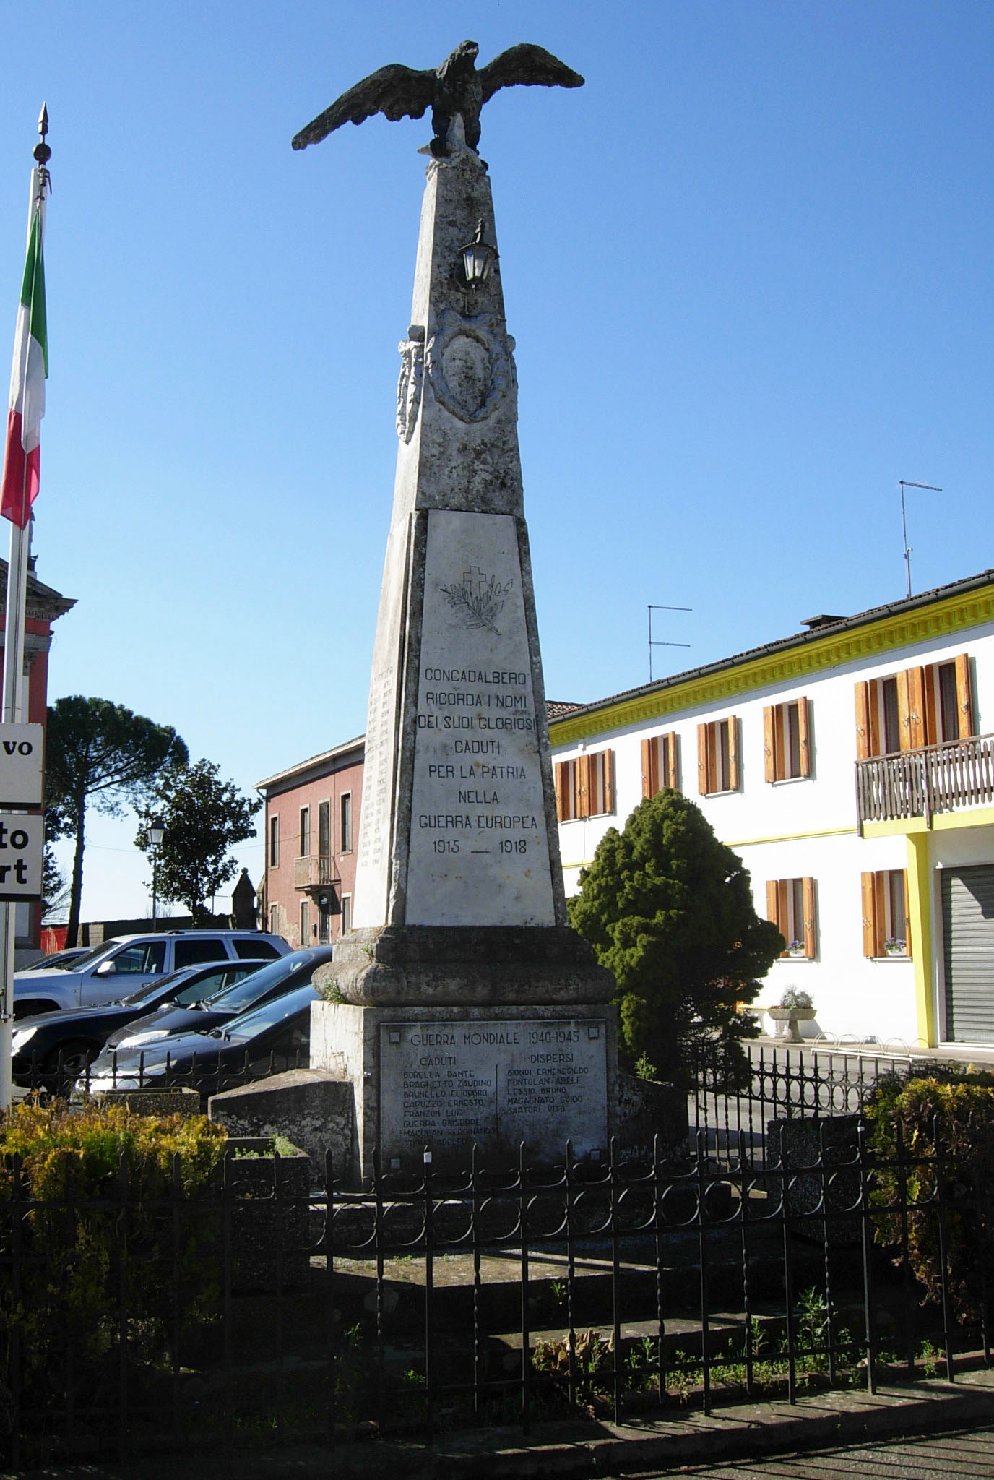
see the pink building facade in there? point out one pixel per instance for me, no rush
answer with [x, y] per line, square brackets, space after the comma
[312, 829]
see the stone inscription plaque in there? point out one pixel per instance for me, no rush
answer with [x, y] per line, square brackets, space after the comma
[448, 1084]
[479, 850]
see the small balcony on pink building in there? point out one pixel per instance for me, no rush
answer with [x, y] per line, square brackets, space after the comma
[316, 871]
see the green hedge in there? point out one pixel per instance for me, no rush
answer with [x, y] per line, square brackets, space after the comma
[932, 1139]
[107, 1234]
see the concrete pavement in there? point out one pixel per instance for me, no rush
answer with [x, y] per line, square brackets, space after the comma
[741, 1442]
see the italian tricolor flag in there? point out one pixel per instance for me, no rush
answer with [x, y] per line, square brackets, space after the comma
[22, 459]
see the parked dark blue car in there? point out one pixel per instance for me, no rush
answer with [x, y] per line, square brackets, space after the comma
[275, 979]
[52, 1049]
[269, 1039]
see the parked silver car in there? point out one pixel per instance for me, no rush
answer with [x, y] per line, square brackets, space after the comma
[127, 962]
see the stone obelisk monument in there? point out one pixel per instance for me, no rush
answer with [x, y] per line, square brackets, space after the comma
[462, 1007]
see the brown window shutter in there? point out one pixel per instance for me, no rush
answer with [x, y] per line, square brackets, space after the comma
[769, 757]
[733, 752]
[907, 915]
[783, 912]
[810, 921]
[648, 789]
[911, 707]
[702, 760]
[772, 904]
[608, 781]
[804, 736]
[560, 771]
[869, 914]
[672, 751]
[964, 695]
[930, 698]
[863, 751]
[879, 911]
[583, 786]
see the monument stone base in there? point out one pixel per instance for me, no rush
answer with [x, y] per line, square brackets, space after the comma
[453, 1038]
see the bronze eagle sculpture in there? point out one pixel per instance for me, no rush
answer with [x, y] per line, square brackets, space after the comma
[454, 87]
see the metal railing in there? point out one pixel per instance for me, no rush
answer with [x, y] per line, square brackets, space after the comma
[919, 783]
[65, 1075]
[780, 1084]
[504, 1295]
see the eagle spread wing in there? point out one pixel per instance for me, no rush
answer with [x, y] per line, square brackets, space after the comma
[529, 65]
[396, 91]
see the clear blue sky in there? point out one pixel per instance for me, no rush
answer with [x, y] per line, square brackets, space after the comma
[749, 271]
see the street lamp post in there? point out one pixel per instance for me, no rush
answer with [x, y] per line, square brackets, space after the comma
[156, 832]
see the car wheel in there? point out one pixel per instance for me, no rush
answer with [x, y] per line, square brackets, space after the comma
[68, 1062]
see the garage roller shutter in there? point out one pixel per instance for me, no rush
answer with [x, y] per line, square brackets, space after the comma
[968, 930]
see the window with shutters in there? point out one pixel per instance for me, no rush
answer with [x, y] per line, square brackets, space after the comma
[345, 818]
[274, 842]
[914, 708]
[324, 830]
[786, 740]
[885, 913]
[346, 913]
[660, 763]
[718, 756]
[305, 832]
[790, 904]
[305, 925]
[585, 786]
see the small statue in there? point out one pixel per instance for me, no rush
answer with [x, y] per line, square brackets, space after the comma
[243, 903]
[454, 87]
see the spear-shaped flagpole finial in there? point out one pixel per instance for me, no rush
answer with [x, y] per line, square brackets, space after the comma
[42, 150]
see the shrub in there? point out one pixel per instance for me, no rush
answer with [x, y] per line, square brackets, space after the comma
[99, 1245]
[932, 1139]
[668, 910]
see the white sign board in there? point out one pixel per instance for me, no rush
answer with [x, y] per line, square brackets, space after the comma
[22, 750]
[22, 843]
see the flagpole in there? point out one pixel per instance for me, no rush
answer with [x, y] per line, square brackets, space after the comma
[12, 698]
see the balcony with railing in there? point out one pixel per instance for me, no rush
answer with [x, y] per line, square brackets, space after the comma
[920, 783]
[316, 871]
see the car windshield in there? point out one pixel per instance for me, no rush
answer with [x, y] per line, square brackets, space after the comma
[153, 989]
[94, 954]
[59, 961]
[243, 994]
[248, 1024]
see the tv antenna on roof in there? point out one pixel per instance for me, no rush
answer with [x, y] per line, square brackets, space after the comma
[658, 641]
[906, 483]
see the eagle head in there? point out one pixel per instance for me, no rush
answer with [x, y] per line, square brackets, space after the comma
[461, 61]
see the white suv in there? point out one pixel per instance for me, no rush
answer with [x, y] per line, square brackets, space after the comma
[126, 962]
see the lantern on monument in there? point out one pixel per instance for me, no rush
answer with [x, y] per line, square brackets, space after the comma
[477, 257]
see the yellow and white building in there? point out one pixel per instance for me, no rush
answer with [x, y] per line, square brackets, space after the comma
[851, 766]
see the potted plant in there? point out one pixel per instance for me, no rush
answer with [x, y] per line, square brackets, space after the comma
[794, 1007]
[895, 946]
[796, 948]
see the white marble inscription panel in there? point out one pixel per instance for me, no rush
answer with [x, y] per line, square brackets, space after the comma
[479, 846]
[447, 1084]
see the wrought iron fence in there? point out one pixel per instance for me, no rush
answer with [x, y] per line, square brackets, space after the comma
[734, 1117]
[266, 1311]
[69, 1073]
